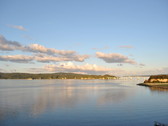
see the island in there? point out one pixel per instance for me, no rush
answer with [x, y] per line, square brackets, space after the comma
[29, 76]
[156, 81]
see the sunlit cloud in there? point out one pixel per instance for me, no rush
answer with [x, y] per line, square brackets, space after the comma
[47, 58]
[81, 69]
[53, 54]
[40, 58]
[41, 49]
[17, 58]
[71, 67]
[6, 45]
[13, 45]
[19, 27]
[115, 58]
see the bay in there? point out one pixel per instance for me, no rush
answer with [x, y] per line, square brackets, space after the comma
[80, 103]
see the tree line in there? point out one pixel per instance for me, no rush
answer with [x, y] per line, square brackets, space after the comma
[53, 76]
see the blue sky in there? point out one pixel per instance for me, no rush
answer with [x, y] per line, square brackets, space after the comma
[121, 37]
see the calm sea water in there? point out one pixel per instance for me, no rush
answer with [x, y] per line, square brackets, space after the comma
[80, 103]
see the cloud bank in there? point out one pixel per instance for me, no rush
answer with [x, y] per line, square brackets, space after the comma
[40, 58]
[71, 67]
[43, 54]
[16, 58]
[114, 58]
[6, 45]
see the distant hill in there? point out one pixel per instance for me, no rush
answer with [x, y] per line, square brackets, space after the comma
[53, 76]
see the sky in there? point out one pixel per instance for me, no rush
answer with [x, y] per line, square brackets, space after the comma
[117, 37]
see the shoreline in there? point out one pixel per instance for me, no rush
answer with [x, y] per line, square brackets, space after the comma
[155, 85]
[60, 79]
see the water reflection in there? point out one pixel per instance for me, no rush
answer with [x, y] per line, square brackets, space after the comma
[41, 97]
[158, 89]
[52, 98]
[115, 96]
[69, 97]
[79, 102]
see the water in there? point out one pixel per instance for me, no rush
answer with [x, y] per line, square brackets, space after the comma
[80, 103]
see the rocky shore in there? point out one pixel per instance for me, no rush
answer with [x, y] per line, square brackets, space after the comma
[156, 81]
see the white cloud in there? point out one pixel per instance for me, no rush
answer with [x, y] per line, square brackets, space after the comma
[36, 48]
[6, 45]
[40, 58]
[71, 67]
[47, 58]
[95, 69]
[114, 58]
[19, 27]
[17, 58]
[49, 54]
[51, 51]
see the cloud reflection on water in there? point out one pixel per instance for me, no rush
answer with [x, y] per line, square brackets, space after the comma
[40, 98]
